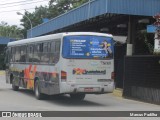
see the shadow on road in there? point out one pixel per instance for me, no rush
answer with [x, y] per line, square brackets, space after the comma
[64, 100]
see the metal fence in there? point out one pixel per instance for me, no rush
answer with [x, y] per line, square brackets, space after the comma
[142, 78]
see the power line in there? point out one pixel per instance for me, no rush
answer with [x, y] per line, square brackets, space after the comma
[16, 2]
[22, 4]
[16, 10]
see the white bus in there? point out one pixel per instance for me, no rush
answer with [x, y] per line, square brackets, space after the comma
[75, 63]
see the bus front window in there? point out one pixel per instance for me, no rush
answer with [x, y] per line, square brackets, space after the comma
[87, 47]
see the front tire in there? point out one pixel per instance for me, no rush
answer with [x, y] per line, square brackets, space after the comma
[78, 96]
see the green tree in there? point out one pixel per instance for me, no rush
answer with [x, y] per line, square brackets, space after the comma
[10, 31]
[35, 17]
[144, 43]
[55, 8]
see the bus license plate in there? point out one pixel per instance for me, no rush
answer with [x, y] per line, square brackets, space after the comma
[88, 89]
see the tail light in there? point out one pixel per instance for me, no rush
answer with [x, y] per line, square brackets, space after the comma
[63, 76]
[112, 75]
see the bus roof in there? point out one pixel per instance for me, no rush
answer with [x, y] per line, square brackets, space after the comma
[55, 36]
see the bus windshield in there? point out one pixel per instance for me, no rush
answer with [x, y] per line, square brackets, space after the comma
[87, 47]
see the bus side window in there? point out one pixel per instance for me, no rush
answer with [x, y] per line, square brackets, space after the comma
[37, 54]
[17, 54]
[52, 51]
[57, 46]
[23, 54]
[57, 51]
[45, 55]
[30, 53]
[12, 54]
[49, 47]
[49, 51]
[27, 53]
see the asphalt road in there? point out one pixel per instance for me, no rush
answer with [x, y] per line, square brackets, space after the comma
[24, 100]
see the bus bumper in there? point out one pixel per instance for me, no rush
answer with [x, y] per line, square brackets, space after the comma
[89, 89]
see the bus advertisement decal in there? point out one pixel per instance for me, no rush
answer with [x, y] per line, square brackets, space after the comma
[79, 71]
[29, 74]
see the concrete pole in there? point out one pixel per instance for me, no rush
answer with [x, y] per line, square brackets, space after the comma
[131, 35]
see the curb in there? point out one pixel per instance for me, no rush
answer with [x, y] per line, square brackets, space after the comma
[118, 92]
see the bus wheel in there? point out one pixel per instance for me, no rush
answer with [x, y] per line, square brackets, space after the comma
[37, 92]
[78, 96]
[14, 87]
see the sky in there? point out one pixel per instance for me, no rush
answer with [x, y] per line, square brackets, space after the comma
[9, 9]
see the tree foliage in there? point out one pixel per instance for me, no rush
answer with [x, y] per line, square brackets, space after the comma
[61, 6]
[35, 17]
[144, 43]
[10, 31]
[54, 8]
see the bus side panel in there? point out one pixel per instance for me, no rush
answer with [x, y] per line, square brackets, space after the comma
[24, 76]
[18, 72]
[49, 80]
[49, 83]
[54, 86]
